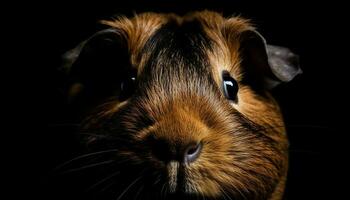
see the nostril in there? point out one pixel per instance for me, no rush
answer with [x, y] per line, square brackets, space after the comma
[192, 152]
[162, 150]
[166, 151]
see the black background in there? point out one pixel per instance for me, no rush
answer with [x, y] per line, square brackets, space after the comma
[313, 104]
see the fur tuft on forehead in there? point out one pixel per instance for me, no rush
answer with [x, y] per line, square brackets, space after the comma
[217, 38]
[139, 29]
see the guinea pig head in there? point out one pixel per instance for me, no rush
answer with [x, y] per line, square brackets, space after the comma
[185, 104]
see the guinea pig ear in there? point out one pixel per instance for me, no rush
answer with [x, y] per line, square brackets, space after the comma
[277, 64]
[96, 66]
[283, 62]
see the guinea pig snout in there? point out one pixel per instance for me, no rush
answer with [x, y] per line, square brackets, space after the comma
[178, 136]
[182, 152]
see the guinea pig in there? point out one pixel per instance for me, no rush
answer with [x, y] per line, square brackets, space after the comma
[180, 107]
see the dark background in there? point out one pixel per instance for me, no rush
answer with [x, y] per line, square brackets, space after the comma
[313, 104]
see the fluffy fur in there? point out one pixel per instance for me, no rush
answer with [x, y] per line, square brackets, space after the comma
[179, 100]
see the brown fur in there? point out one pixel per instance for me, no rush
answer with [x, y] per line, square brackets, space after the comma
[244, 151]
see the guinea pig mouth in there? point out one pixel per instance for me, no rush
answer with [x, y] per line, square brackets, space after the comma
[176, 179]
[173, 168]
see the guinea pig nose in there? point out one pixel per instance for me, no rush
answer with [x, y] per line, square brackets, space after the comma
[192, 152]
[166, 151]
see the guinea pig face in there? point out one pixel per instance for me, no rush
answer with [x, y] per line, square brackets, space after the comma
[182, 105]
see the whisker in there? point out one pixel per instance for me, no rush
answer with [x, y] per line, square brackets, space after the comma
[138, 192]
[127, 188]
[239, 191]
[116, 161]
[224, 193]
[84, 156]
[161, 191]
[262, 128]
[102, 181]
[104, 136]
[88, 166]
[165, 192]
[157, 180]
[107, 187]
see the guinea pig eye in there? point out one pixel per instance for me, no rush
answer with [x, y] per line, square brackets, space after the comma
[127, 86]
[230, 86]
